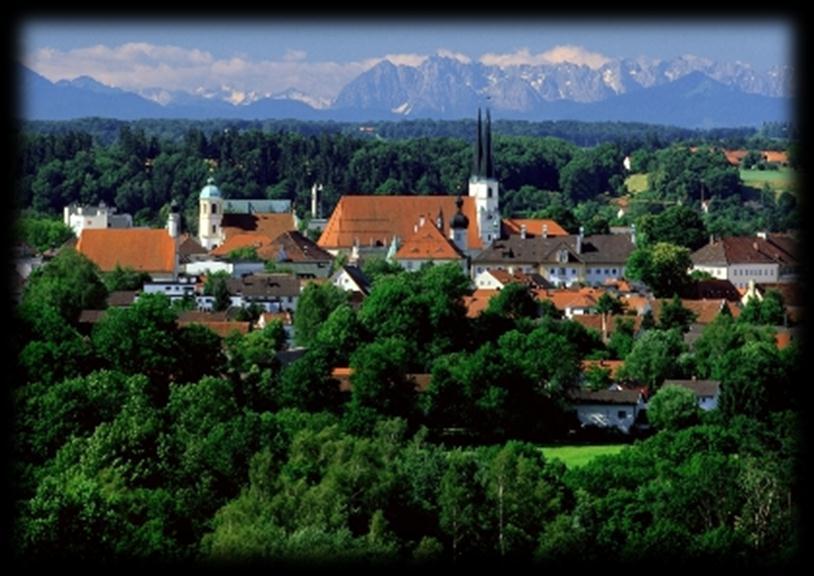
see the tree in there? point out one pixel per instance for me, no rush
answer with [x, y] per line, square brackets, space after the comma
[125, 279]
[316, 303]
[679, 225]
[461, 501]
[379, 378]
[663, 267]
[674, 315]
[514, 301]
[673, 408]
[43, 233]
[69, 283]
[654, 357]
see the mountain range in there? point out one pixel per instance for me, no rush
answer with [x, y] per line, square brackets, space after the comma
[688, 91]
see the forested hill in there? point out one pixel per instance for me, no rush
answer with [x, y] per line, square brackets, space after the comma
[106, 130]
[141, 172]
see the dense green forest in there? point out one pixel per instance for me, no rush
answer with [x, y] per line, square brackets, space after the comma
[146, 166]
[128, 445]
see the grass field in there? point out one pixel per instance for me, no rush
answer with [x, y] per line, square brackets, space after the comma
[778, 180]
[636, 183]
[576, 456]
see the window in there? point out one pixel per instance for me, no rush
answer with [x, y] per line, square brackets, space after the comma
[562, 271]
[622, 414]
[214, 229]
[613, 271]
[553, 270]
[573, 271]
[488, 192]
[214, 208]
[607, 271]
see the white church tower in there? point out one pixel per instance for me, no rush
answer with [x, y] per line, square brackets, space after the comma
[210, 233]
[483, 185]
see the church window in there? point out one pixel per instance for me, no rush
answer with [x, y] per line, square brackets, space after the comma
[214, 208]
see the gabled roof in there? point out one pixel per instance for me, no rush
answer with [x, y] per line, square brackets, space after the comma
[699, 387]
[610, 249]
[629, 397]
[374, 220]
[428, 244]
[774, 249]
[534, 227]
[142, 249]
[234, 242]
[299, 248]
[188, 245]
[264, 286]
[529, 279]
[269, 225]
[358, 277]
[121, 298]
[712, 288]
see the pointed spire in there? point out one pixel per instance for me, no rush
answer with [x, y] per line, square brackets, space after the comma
[477, 158]
[489, 168]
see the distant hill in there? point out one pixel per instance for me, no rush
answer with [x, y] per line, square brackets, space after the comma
[445, 88]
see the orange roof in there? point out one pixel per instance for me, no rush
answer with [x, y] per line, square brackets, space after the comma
[343, 374]
[735, 156]
[374, 220]
[705, 310]
[222, 329]
[637, 303]
[613, 365]
[267, 224]
[562, 299]
[594, 322]
[142, 249]
[773, 156]
[238, 241]
[782, 338]
[428, 244]
[478, 301]
[534, 226]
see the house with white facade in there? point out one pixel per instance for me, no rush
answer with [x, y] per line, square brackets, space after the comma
[707, 392]
[764, 258]
[79, 218]
[613, 408]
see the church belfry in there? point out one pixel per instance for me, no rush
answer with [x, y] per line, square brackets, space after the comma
[483, 186]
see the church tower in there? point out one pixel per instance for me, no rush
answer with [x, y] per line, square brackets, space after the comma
[210, 233]
[483, 185]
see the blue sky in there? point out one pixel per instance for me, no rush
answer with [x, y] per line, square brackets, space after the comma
[321, 56]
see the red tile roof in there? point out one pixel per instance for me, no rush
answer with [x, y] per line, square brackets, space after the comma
[612, 365]
[478, 302]
[343, 375]
[259, 242]
[705, 310]
[142, 249]
[270, 224]
[374, 220]
[534, 226]
[594, 322]
[428, 244]
[221, 328]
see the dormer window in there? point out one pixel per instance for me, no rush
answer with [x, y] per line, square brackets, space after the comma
[562, 256]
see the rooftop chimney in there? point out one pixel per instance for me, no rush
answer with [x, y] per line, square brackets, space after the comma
[762, 235]
[580, 237]
[545, 230]
[421, 221]
[523, 231]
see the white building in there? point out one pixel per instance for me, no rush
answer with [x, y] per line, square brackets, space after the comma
[763, 259]
[80, 218]
[707, 392]
[608, 408]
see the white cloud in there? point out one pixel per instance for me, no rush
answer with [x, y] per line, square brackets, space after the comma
[557, 55]
[294, 55]
[404, 59]
[137, 66]
[460, 56]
